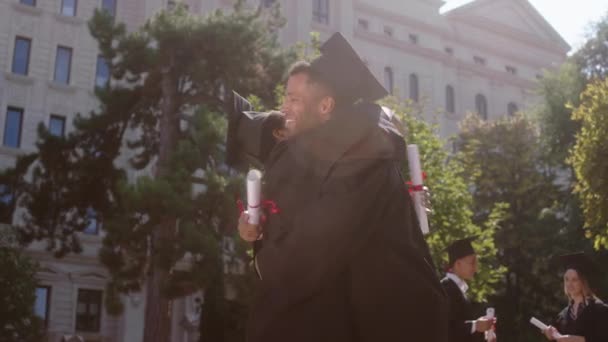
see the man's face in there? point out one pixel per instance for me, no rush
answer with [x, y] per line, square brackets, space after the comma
[303, 103]
[466, 267]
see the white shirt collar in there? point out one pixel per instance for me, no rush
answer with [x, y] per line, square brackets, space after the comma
[462, 285]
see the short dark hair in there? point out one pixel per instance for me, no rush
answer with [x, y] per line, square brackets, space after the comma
[304, 67]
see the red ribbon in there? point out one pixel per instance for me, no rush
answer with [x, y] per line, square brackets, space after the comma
[269, 205]
[416, 188]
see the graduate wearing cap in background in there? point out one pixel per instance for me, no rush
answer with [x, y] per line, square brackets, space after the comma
[585, 319]
[343, 258]
[462, 268]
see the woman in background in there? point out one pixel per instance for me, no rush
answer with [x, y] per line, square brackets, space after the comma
[585, 319]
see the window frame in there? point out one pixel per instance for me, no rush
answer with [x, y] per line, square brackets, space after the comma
[47, 305]
[71, 57]
[63, 121]
[481, 106]
[77, 316]
[414, 87]
[29, 55]
[75, 9]
[21, 111]
[450, 99]
[321, 12]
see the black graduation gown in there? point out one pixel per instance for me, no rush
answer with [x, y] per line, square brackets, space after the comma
[592, 322]
[461, 310]
[344, 259]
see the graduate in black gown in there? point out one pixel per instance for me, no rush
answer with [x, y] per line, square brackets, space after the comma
[342, 256]
[463, 326]
[585, 319]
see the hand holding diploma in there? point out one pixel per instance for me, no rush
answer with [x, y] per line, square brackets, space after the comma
[254, 196]
[550, 332]
[249, 222]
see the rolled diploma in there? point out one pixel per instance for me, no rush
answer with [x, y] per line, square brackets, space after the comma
[254, 195]
[540, 325]
[490, 334]
[413, 159]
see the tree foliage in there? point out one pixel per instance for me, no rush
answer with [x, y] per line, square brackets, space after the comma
[148, 163]
[590, 160]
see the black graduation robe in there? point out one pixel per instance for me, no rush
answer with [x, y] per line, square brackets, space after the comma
[460, 311]
[344, 259]
[591, 323]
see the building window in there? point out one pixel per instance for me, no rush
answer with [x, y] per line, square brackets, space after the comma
[413, 38]
[63, 65]
[88, 310]
[450, 105]
[28, 2]
[110, 6]
[388, 31]
[388, 79]
[479, 60]
[92, 222]
[102, 74]
[414, 87]
[21, 56]
[449, 50]
[481, 105]
[43, 303]
[267, 3]
[57, 125]
[511, 70]
[512, 108]
[6, 204]
[363, 24]
[12, 127]
[68, 7]
[320, 11]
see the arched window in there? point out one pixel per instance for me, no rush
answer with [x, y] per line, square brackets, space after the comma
[414, 91]
[512, 108]
[450, 105]
[388, 79]
[481, 105]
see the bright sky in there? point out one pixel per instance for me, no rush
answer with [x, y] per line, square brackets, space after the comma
[570, 18]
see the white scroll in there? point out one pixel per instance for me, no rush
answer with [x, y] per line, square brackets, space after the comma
[254, 195]
[413, 158]
[540, 325]
[490, 335]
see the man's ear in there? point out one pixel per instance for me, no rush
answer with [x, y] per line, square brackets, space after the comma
[326, 107]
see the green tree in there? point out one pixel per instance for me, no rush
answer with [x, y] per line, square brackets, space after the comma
[451, 217]
[589, 158]
[593, 56]
[505, 163]
[17, 293]
[149, 162]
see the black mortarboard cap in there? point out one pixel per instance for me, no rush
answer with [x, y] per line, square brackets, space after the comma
[250, 134]
[580, 262]
[341, 68]
[460, 249]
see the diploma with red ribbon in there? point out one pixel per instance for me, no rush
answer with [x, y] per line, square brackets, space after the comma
[413, 158]
[254, 196]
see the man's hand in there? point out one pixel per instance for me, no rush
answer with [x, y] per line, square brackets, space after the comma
[483, 324]
[248, 232]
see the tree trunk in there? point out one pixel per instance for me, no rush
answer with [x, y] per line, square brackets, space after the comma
[157, 323]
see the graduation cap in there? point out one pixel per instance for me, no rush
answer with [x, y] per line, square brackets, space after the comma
[460, 249]
[581, 263]
[250, 137]
[341, 68]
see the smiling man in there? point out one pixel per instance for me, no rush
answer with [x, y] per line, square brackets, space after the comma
[343, 257]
